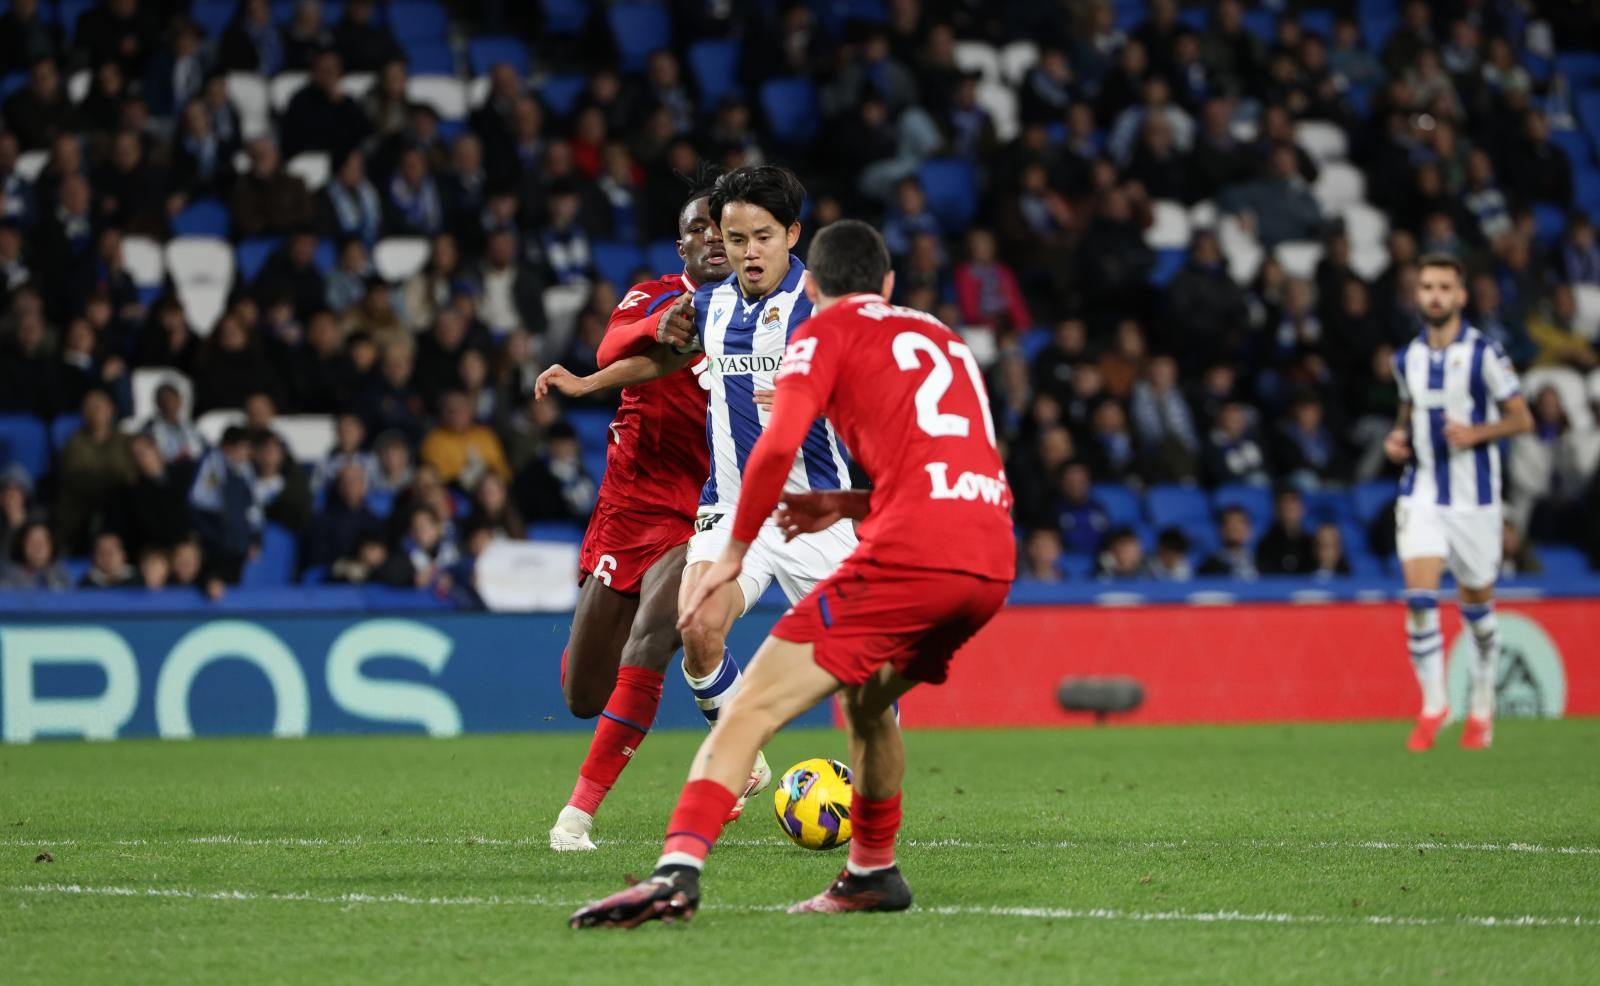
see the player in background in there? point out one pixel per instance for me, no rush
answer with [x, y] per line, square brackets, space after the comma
[744, 325]
[624, 632]
[936, 559]
[1459, 398]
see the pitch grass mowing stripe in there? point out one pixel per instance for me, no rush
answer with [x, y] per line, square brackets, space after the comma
[475, 840]
[1045, 913]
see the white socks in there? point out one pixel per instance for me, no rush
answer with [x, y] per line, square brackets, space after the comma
[716, 689]
[1427, 648]
[1486, 635]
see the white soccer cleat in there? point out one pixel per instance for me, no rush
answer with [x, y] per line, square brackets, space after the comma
[760, 779]
[571, 832]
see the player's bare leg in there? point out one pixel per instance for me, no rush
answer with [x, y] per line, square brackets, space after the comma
[1426, 644]
[782, 684]
[870, 880]
[712, 673]
[600, 628]
[634, 692]
[1477, 611]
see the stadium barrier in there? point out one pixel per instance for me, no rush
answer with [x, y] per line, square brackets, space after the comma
[339, 660]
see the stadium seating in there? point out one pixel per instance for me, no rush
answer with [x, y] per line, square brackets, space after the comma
[203, 217]
[1169, 226]
[429, 57]
[63, 428]
[715, 66]
[639, 29]
[144, 382]
[275, 564]
[445, 93]
[565, 18]
[1256, 501]
[251, 255]
[952, 192]
[25, 441]
[560, 93]
[408, 19]
[1120, 504]
[662, 257]
[791, 108]
[616, 262]
[593, 427]
[396, 258]
[1372, 497]
[1183, 507]
[311, 167]
[485, 53]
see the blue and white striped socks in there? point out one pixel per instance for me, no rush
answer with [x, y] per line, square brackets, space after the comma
[1427, 648]
[716, 689]
[1486, 634]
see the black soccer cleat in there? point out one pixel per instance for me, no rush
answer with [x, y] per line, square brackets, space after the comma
[672, 893]
[882, 890]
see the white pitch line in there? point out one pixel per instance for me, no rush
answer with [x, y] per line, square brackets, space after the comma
[468, 841]
[1035, 913]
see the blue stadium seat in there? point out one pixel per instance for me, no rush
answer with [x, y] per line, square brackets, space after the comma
[1362, 561]
[381, 503]
[1582, 68]
[326, 256]
[1586, 190]
[1255, 500]
[715, 65]
[662, 257]
[1378, 20]
[1576, 145]
[275, 565]
[560, 93]
[1172, 505]
[315, 575]
[428, 57]
[616, 262]
[25, 441]
[1539, 67]
[1333, 506]
[11, 82]
[1131, 14]
[1169, 263]
[791, 108]
[1549, 222]
[1262, 23]
[417, 19]
[561, 533]
[485, 53]
[212, 17]
[594, 463]
[1077, 568]
[593, 427]
[1586, 104]
[249, 256]
[1196, 18]
[203, 217]
[952, 190]
[1119, 502]
[1372, 497]
[1562, 560]
[1318, 22]
[565, 18]
[67, 14]
[639, 29]
[1034, 341]
[332, 12]
[63, 428]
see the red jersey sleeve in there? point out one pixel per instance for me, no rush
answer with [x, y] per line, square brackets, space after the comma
[632, 328]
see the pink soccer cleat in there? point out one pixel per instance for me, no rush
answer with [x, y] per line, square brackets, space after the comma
[1426, 731]
[1478, 734]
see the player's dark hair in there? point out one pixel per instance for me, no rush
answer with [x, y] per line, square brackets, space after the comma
[701, 184]
[848, 257]
[774, 189]
[1442, 260]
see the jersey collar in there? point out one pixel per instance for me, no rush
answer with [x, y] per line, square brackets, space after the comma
[688, 284]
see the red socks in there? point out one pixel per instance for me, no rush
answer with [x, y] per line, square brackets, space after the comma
[617, 734]
[697, 821]
[873, 827]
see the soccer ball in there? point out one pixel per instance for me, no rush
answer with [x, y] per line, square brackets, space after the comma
[812, 802]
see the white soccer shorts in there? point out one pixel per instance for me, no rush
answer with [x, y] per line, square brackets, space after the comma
[797, 565]
[1467, 538]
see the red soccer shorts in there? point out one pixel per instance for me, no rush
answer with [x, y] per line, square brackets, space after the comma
[623, 542]
[867, 615]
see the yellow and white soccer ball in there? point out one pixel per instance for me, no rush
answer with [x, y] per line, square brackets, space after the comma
[812, 801]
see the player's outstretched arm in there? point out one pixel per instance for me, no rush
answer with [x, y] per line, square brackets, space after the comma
[654, 364]
[807, 513]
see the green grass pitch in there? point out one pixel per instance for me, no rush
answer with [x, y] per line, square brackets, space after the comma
[1286, 854]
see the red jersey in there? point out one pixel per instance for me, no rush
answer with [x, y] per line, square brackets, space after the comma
[657, 459]
[907, 397]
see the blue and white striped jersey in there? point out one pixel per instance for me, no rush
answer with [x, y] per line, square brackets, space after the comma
[744, 343]
[1465, 381]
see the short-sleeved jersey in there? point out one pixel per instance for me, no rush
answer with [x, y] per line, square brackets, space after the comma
[657, 457]
[744, 342]
[1465, 381]
[909, 400]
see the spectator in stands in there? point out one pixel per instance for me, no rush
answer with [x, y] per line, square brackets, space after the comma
[347, 282]
[154, 570]
[1517, 556]
[1549, 468]
[375, 317]
[202, 165]
[1171, 560]
[1502, 74]
[281, 487]
[1580, 256]
[1555, 334]
[269, 201]
[1219, 159]
[1114, 260]
[1492, 318]
[1040, 558]
[412, 205]
[187, 563]
[348, 206]
[363, 564]
[152, 510]
[1349, 58]
[347, 521]
[131, 193]
[1308, 453]
[1279, 206]
[109, 568]
[1121, 557]
[422, 558]
[1234, 54]
[365, 44]
[33, 561]
[349, 441]
[1157, 162]
[1169, 443]
[17, 508]
[1287, 547]
[512, 290]
[460, 449]
[231, 367]
[1111, 451]
[393, 473]
[175, 436]
[26, 34]
[1206, 302]
[14, 271]
[1132, 122]
[29, 371]
[1234, 558]
[986, 287]
[492, 508]
[1234, 454]
[1329, 561]
[439, 356]
[387, 400]
[251, 42]
[1080, 519]
[291, 274]
[472, 374]
[40, 110]
[224, 510]
[63, 247]
[430, 289]
[464, 192]
[909, 218]
[95, 462]
[1536, 170]
[556, 486]
[305, 36]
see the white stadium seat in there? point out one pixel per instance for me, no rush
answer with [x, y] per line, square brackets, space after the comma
[1203, 215]
[1001, 102]
[1587, 320]
[30, 163]
[978, 56]
[357, 84]
[1240, 246]
[1169, 228]
[201, 268]
[1369, 260]
[247, 92]
[78, 84]
[146, 380]
[397, 258]
[1322, 140]
[212, 424]
[445, 93]
[309, 436]
[1015, 60]
[478, 91]
[311, 167]
[1337, 186]
[142, 257]
[1364, 224]
[283, 87]
[1298, 258]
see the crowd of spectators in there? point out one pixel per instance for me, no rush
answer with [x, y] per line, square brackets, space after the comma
[1111, 363]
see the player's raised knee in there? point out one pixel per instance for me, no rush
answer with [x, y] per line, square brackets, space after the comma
[584, 699]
